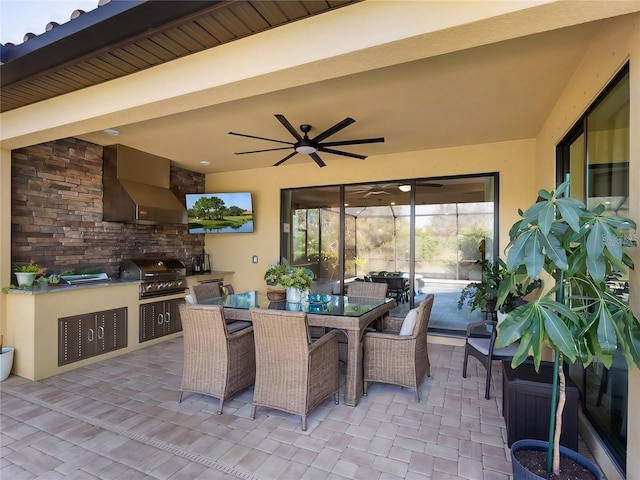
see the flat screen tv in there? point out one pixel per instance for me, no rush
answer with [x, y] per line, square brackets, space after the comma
[220, 212]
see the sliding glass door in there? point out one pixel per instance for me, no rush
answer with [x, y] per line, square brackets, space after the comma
[429, 234]
[595, 155]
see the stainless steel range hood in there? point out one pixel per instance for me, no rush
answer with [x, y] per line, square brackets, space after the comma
[136, 188]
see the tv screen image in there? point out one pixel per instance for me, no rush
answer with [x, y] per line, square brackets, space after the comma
[220, 212]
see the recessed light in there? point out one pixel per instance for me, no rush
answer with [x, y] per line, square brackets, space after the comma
[204, 162]
[111, 131]
[404, 188]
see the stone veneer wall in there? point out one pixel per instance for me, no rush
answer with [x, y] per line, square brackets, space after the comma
[56, 213]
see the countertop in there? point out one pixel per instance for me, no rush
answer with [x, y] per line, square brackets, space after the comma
[41, 288]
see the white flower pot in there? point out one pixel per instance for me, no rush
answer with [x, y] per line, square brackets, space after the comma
[25, 278]
[6, 362]
[294, 295]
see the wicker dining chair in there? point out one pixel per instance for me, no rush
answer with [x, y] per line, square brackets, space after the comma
[292, 374]
[399, 359]
[203, 291]
[367, 290]
[216, 363]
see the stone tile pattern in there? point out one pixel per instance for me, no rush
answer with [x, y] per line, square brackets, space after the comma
[120, 419]
[56, 212]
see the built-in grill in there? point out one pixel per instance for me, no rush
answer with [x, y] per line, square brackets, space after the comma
[159, 276]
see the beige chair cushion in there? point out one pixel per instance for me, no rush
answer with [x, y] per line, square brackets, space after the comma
[482, 345]
[409, 323]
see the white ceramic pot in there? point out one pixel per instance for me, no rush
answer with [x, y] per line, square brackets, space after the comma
[294, 295]
[6, 362]
[25, 278]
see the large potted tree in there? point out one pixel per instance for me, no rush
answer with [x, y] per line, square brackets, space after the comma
[579, 317]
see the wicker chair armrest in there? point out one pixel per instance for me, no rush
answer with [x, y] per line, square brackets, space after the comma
[241, 344]
[389, 348]
[387, 337]
[392, 324]
[331, 336]
[240, 333]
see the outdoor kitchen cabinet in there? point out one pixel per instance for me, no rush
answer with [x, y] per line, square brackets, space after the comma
[158, 319]
[90, 334]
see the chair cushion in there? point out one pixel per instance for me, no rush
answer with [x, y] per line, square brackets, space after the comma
[482, 345]
[409, 323]
[237, 325]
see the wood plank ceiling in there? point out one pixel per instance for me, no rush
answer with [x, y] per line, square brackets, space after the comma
[116, 54]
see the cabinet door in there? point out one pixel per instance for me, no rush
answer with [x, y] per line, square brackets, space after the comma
[111, 330]
[151, 320]
[77, 338]
[172, 316]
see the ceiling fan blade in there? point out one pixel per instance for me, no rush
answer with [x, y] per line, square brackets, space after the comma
[353, 142]
[288, 126]
[285, 158]
[340, 152]
[331, 130]
[376, 192]
[317, 159]
[259, 138]
[266, 150]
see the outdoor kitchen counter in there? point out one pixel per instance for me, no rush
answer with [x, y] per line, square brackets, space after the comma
[40, 288]
[32, 319]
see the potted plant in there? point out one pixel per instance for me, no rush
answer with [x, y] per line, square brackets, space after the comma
[294, 279]
[275, 291]
[579, 317]
[6, 360]
[483, 295]
[25, 274]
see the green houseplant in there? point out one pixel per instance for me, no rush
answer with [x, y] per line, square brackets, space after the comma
[483, 295]
[288, 277]
[580, 317]
[25, 274]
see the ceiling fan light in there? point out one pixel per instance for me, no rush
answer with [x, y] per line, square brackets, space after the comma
[404, 188]
[308, 149]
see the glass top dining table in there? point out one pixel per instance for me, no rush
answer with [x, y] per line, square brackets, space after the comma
[348, 314]
[314, 303]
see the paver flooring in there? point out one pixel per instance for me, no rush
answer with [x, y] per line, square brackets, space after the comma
[120, 419]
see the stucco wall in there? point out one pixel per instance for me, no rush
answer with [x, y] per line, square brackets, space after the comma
[617, 43]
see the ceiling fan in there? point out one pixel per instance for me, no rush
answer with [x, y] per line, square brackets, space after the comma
[311, 146]
[378, 189]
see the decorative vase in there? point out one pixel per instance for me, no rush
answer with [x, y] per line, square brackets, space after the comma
[6, 362]
[294, 295]
[520, 472]
[25, 278]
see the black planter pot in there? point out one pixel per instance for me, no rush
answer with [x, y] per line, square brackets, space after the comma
[521, 473]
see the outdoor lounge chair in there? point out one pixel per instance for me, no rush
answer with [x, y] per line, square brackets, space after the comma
[292, 374]
[203, 291]
[479, 343]
[367, 290]
[402, 359]
[216, 362]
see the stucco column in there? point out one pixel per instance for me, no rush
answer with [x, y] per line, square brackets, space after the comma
[5, 231]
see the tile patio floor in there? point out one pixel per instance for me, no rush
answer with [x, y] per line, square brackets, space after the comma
[119, 419]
